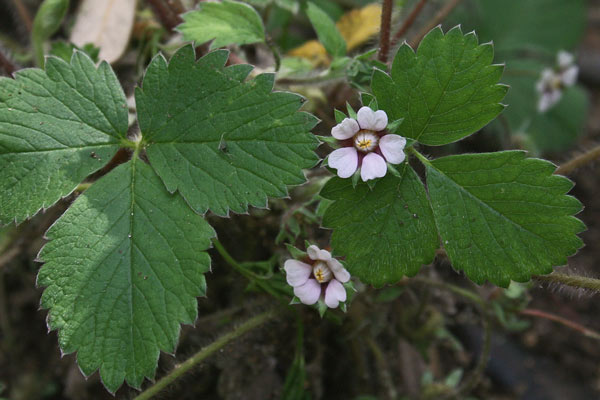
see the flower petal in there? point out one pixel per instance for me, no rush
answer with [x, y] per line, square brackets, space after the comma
[373, 166]
[372, 120]
[548, 100]
[569, 76]
[392, 147]
[345, 129]
[340, 273]
[334, 293]
[314, 253]
[296, 272]
[345, 160]
[564, 59]
[308, 293]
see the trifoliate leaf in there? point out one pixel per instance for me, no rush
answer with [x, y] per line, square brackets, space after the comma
[227, 22]
[56, 127]
[385, 233]
[447, 90]
[326, 30]
[124, 266]
[222, 142]
[502, 216]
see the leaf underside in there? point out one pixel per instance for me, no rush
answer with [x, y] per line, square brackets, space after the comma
[502, 216]
[56, 127]
[123, 267]
[446, 91]
[219, 140]
[385, 233]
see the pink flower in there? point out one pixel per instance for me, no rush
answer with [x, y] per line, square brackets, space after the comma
[323, 277]
[365, 145]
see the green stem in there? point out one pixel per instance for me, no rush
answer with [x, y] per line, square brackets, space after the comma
[420, 156]
[243, 271]
[471, 382]
[204, 353]
[273, 48]
[571, 280]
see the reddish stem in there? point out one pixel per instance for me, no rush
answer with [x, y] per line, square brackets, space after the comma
[435, 21]
[563, 321]
[168, 18]
[408, 22]
[384, 38]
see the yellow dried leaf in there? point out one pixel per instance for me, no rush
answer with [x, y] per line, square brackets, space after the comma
[356, 27]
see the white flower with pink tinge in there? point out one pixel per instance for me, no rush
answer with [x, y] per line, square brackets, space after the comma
[552, 83]
[366, 146]
[323, 277]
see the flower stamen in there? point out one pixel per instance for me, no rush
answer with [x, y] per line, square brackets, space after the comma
[321, 272]
[366, 141]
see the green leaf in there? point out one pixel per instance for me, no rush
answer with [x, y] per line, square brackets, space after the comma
[222, 142]
[65, 50]
[47, 21]
[227, 22]
[124, 266]
[328, 34]
[385, 233]
[447, 90]
[518, 26]
[56, 127]
[502, 216]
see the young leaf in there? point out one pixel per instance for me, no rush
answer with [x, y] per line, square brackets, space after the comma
[502, 216]
[56, 127]
[385, 233]
[227, 22]
[124, 266]
[223, 143]
[447, 90]
[47, 21]
[326, 30]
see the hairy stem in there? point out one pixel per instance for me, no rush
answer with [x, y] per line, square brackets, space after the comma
[563, 321]
[571, 280]
[435, 21]
[384, 31]
[204, 353]
[408, 22]
[579, 161]
[420, 156]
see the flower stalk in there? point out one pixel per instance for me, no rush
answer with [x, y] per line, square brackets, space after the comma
[204, 353]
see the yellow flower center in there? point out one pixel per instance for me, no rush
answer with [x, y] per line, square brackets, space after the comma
[366, 141]
[321, 272]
